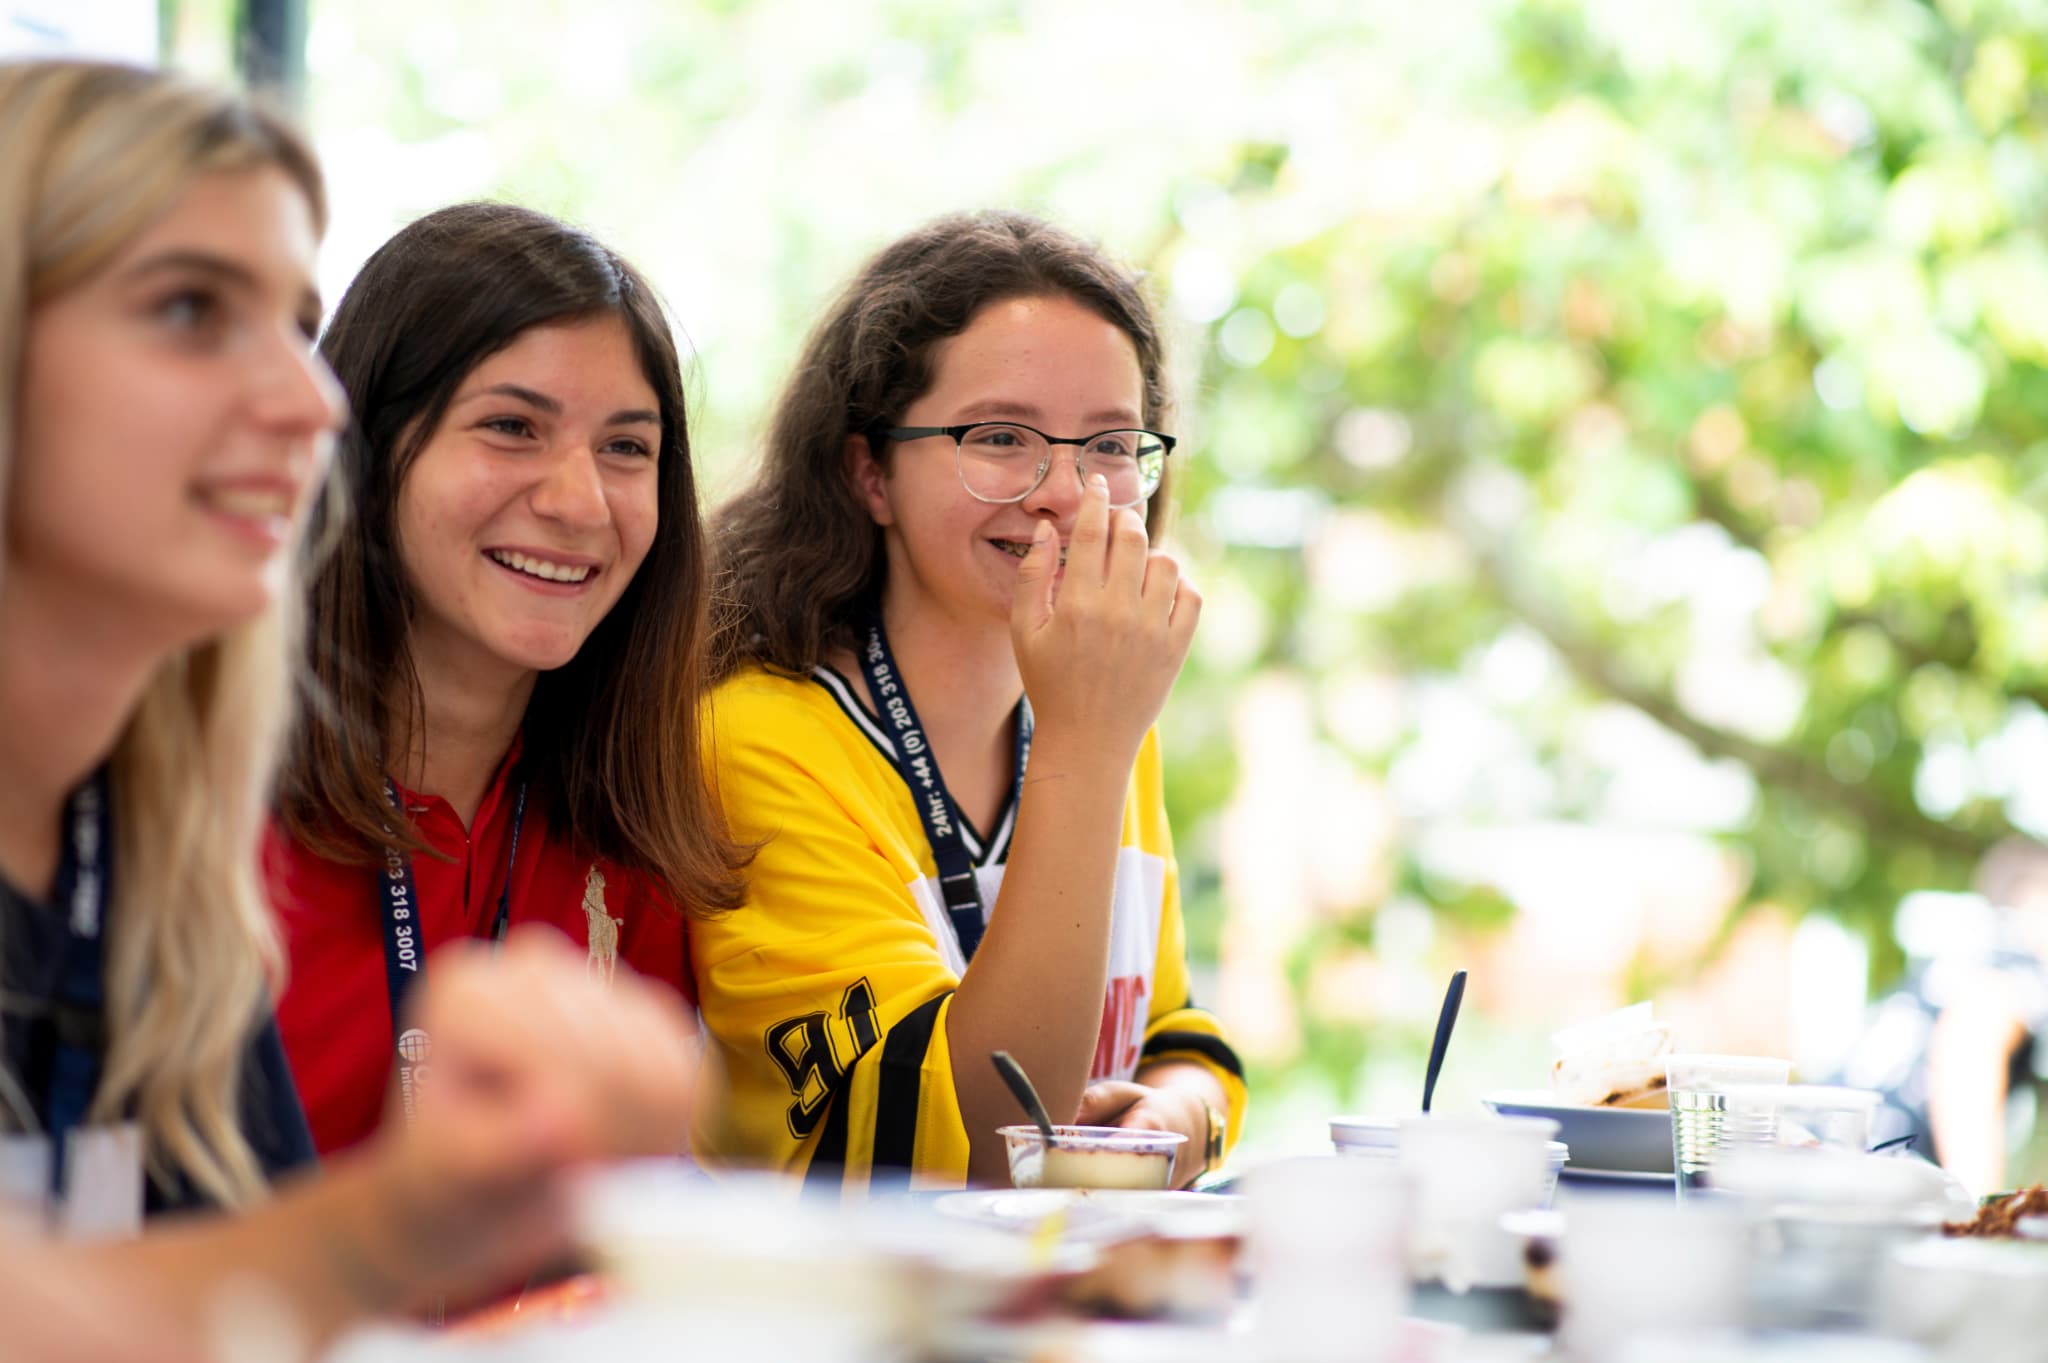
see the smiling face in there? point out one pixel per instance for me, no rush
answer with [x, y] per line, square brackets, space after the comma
[173, 418]
[528, 510]
[1048, 362]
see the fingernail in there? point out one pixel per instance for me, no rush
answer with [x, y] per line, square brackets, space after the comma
[1101, 483]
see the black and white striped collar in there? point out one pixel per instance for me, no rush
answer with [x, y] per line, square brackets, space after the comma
[985, 852]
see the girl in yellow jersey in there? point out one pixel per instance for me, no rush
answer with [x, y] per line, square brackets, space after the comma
[942, 570]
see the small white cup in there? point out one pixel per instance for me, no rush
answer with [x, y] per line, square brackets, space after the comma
[1633, 1267]
[1368, 1137]
[1326, 1240]
[1468, 1173]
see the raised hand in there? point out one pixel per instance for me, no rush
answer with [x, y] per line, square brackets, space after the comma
[1100, 640]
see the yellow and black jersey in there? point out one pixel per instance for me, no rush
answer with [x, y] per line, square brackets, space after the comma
[825, 996]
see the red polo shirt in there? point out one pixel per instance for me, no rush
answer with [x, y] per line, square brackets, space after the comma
[335, 1015]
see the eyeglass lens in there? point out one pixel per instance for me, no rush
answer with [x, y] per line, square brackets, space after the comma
[1002, 463]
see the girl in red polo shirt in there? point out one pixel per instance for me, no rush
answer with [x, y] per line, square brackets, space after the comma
[505, 644]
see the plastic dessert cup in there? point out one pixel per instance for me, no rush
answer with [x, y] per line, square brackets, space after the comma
[1091, 1157]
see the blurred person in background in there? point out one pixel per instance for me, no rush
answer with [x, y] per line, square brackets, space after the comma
[164, 425]
[1987, 1064]
[977, 409]
[507, 643]
[1957, 1048]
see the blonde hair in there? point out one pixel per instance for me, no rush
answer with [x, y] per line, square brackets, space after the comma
[95, 153]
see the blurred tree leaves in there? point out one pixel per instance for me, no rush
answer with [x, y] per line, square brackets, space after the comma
[1713, 342]
[1551, 364]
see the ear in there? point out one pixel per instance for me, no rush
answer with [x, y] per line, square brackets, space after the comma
[870, 484]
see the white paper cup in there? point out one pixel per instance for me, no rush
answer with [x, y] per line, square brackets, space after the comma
[1468, 1173]
[1327, 1243]
[1633, 1267]
[1368, 1137]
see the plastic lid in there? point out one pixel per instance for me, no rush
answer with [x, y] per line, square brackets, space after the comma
[1358, 1130]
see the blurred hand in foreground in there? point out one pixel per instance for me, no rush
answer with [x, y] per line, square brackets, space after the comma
[537, 1069]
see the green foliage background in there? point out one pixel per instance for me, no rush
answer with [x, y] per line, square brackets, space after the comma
[1694, 351]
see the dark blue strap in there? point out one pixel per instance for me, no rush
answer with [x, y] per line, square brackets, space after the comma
[404, 954]
[504, 920]
[919, 768]
[405, 948]
[84, 894]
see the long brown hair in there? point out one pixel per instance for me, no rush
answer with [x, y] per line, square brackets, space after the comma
[94, 154]
[612, 735]
[797, 553]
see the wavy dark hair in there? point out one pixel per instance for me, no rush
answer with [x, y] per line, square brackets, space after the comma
[797, 553]
[612, 736]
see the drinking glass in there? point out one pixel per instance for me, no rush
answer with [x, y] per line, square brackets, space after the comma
[1702, 1126]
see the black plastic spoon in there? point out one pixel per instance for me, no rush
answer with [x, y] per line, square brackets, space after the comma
[1013, 1075]
[1446, 1019]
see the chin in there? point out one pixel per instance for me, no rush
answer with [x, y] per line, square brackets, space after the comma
[188, 621]
[539, 655]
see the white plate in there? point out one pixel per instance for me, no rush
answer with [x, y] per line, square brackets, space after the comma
[1100, 1213]
[1619, 1139]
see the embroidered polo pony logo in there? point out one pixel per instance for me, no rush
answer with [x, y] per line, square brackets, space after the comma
[603, 929]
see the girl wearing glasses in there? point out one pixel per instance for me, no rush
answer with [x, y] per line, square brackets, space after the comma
[950, 640]
[164, 425]
[508, 638]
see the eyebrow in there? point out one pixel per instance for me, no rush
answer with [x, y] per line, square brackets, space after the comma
[222, 268]
[1113, 418]
[533, 397]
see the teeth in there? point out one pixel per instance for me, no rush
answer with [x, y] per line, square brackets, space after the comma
[1017, 550]
[540, 567]
[251, 503]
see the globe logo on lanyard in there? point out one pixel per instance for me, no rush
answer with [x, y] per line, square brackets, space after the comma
[414, 1046]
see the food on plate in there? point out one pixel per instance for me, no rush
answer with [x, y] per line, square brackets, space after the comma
[1612, 1061]
[1154, 1277]
[1998, 1218]
[1136, 1255]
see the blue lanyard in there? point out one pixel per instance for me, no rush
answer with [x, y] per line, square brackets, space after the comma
[935, 807]
[404, 949]
[84, 892]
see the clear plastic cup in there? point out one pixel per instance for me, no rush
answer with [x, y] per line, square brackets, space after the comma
[1702, 1126]
[1091, 1157]
[1808, 1116]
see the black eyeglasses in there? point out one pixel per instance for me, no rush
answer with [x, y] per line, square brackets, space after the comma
[1005, 461]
